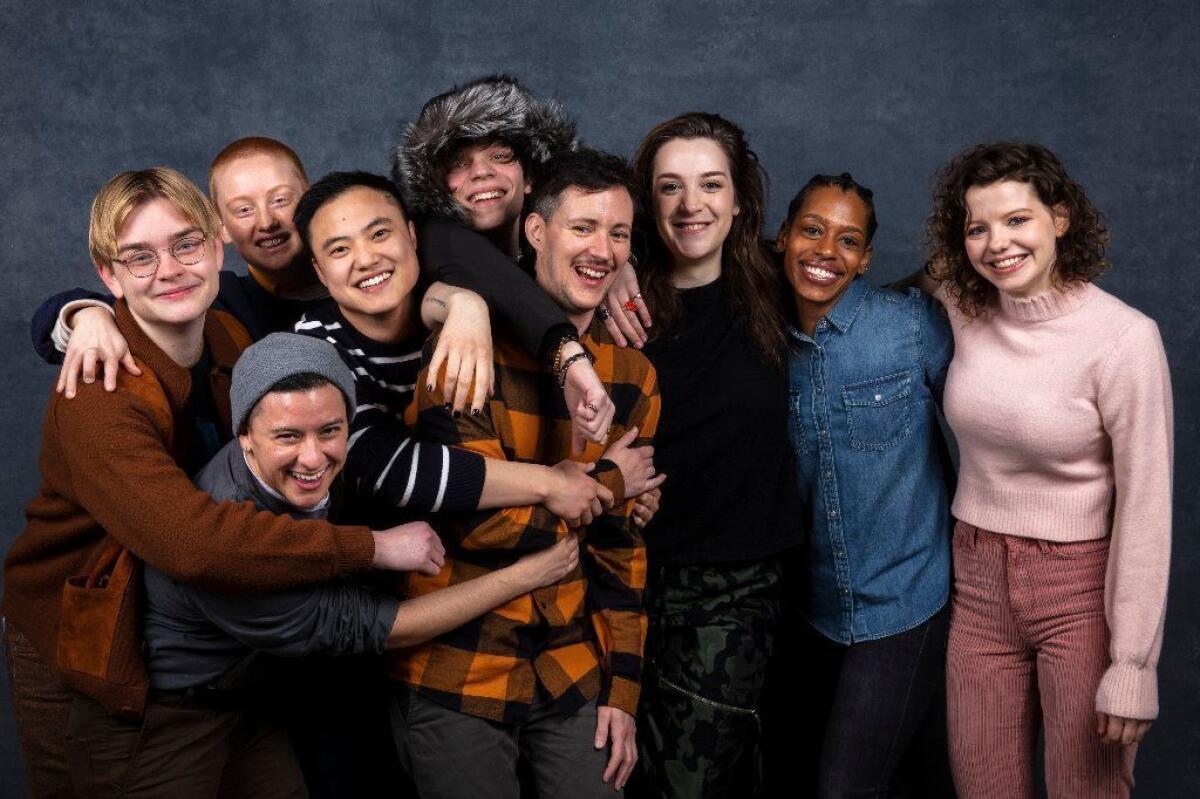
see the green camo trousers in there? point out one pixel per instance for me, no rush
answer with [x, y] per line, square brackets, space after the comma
[711, 633]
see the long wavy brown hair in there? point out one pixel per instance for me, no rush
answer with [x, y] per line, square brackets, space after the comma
[753, 289]
[1079, 253]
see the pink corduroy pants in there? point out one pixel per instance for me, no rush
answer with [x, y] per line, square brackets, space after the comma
[1028, 646]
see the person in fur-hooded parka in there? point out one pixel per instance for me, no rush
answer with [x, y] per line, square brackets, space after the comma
[492, 107]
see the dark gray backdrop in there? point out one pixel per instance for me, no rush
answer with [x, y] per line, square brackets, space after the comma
[886, 90]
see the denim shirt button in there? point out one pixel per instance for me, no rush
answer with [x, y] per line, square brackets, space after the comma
[833, 514]
[822, 325]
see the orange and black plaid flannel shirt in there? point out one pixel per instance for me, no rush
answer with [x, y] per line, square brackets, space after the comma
[582, 637]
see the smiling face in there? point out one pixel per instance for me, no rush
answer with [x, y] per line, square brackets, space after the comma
[177, 295]
[580, 247]
[824, 249]
[295, 441]
[488, 181]
[256, 196]
[694, 200]
[365, 253]
[1011, 237]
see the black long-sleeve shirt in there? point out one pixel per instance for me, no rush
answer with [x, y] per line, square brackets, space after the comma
[454, 253]
[731, 491]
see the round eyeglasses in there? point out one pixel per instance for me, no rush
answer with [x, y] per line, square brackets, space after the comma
[144, 263]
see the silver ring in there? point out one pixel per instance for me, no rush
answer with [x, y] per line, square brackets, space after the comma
[603, 313]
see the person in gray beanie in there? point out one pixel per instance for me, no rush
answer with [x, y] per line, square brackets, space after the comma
[280, 356]
[223, 700]
[465, 166]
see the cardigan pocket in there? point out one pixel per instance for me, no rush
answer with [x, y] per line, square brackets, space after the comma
[99, 647]
[878, 411]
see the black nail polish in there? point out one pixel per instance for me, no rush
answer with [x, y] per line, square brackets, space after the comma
[457, 414]
[446, 406]
[476, 411]
[429, 386]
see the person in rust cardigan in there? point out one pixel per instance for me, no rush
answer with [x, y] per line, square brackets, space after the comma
[116, 489]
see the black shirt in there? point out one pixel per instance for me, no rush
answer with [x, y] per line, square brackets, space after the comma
[260, 311]
[207, 434]
[722, 441]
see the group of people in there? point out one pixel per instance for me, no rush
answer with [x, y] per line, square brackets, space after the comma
[521, 471]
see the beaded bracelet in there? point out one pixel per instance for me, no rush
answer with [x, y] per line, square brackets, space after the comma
[558, 349]
[562, 374]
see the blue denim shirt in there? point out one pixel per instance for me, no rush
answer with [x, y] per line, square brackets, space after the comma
[872, 462]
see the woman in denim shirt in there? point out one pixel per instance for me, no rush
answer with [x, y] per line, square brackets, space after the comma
[866, 376]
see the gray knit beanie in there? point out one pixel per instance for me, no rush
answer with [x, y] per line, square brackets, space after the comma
[282, 355]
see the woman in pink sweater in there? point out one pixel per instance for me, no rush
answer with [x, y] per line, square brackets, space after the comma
[1060, 398]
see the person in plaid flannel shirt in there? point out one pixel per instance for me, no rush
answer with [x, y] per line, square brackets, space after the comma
[553, 675]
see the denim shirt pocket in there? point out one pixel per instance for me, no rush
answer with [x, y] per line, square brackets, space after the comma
[878, 411]
[795, 422]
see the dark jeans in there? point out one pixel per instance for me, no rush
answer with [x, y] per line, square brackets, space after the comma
[41, 706]
[874, 713]
[451, 754]
[181, 749]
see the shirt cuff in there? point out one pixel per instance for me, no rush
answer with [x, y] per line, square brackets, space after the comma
[621, 693]
[61, 334]
[385, 619]
[1129, 691]
[555, 336]
[608, 475]
[464, 486]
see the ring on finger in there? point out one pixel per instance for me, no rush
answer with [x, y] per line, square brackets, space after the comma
[603, 313]
[630, 306]
[637, 296]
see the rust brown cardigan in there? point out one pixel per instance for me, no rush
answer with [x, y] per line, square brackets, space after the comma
[109, 474]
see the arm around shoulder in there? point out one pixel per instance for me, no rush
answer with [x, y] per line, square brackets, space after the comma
[114, 461]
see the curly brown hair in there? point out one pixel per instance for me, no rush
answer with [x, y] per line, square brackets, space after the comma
[1079, 253]
[753, 287]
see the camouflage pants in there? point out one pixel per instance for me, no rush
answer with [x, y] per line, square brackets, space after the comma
[711, 633]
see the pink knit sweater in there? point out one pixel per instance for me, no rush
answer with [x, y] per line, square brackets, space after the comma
[1061, 405]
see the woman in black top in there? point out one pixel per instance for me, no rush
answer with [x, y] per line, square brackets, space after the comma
[730, 505]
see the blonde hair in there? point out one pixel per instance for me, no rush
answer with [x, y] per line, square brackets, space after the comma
[129, 190]
[254, 145]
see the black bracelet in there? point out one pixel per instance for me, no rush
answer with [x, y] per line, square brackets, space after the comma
[562, 370]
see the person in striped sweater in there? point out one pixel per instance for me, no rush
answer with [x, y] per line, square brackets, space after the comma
[371, 271]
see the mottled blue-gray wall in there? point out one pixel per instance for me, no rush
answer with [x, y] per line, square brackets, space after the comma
[887, 90]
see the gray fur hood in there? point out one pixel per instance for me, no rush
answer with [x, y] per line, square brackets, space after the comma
[493, 106]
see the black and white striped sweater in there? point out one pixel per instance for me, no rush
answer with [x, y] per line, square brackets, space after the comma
[386, 464]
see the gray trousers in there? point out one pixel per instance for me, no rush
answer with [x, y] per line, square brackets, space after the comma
[451, 754]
